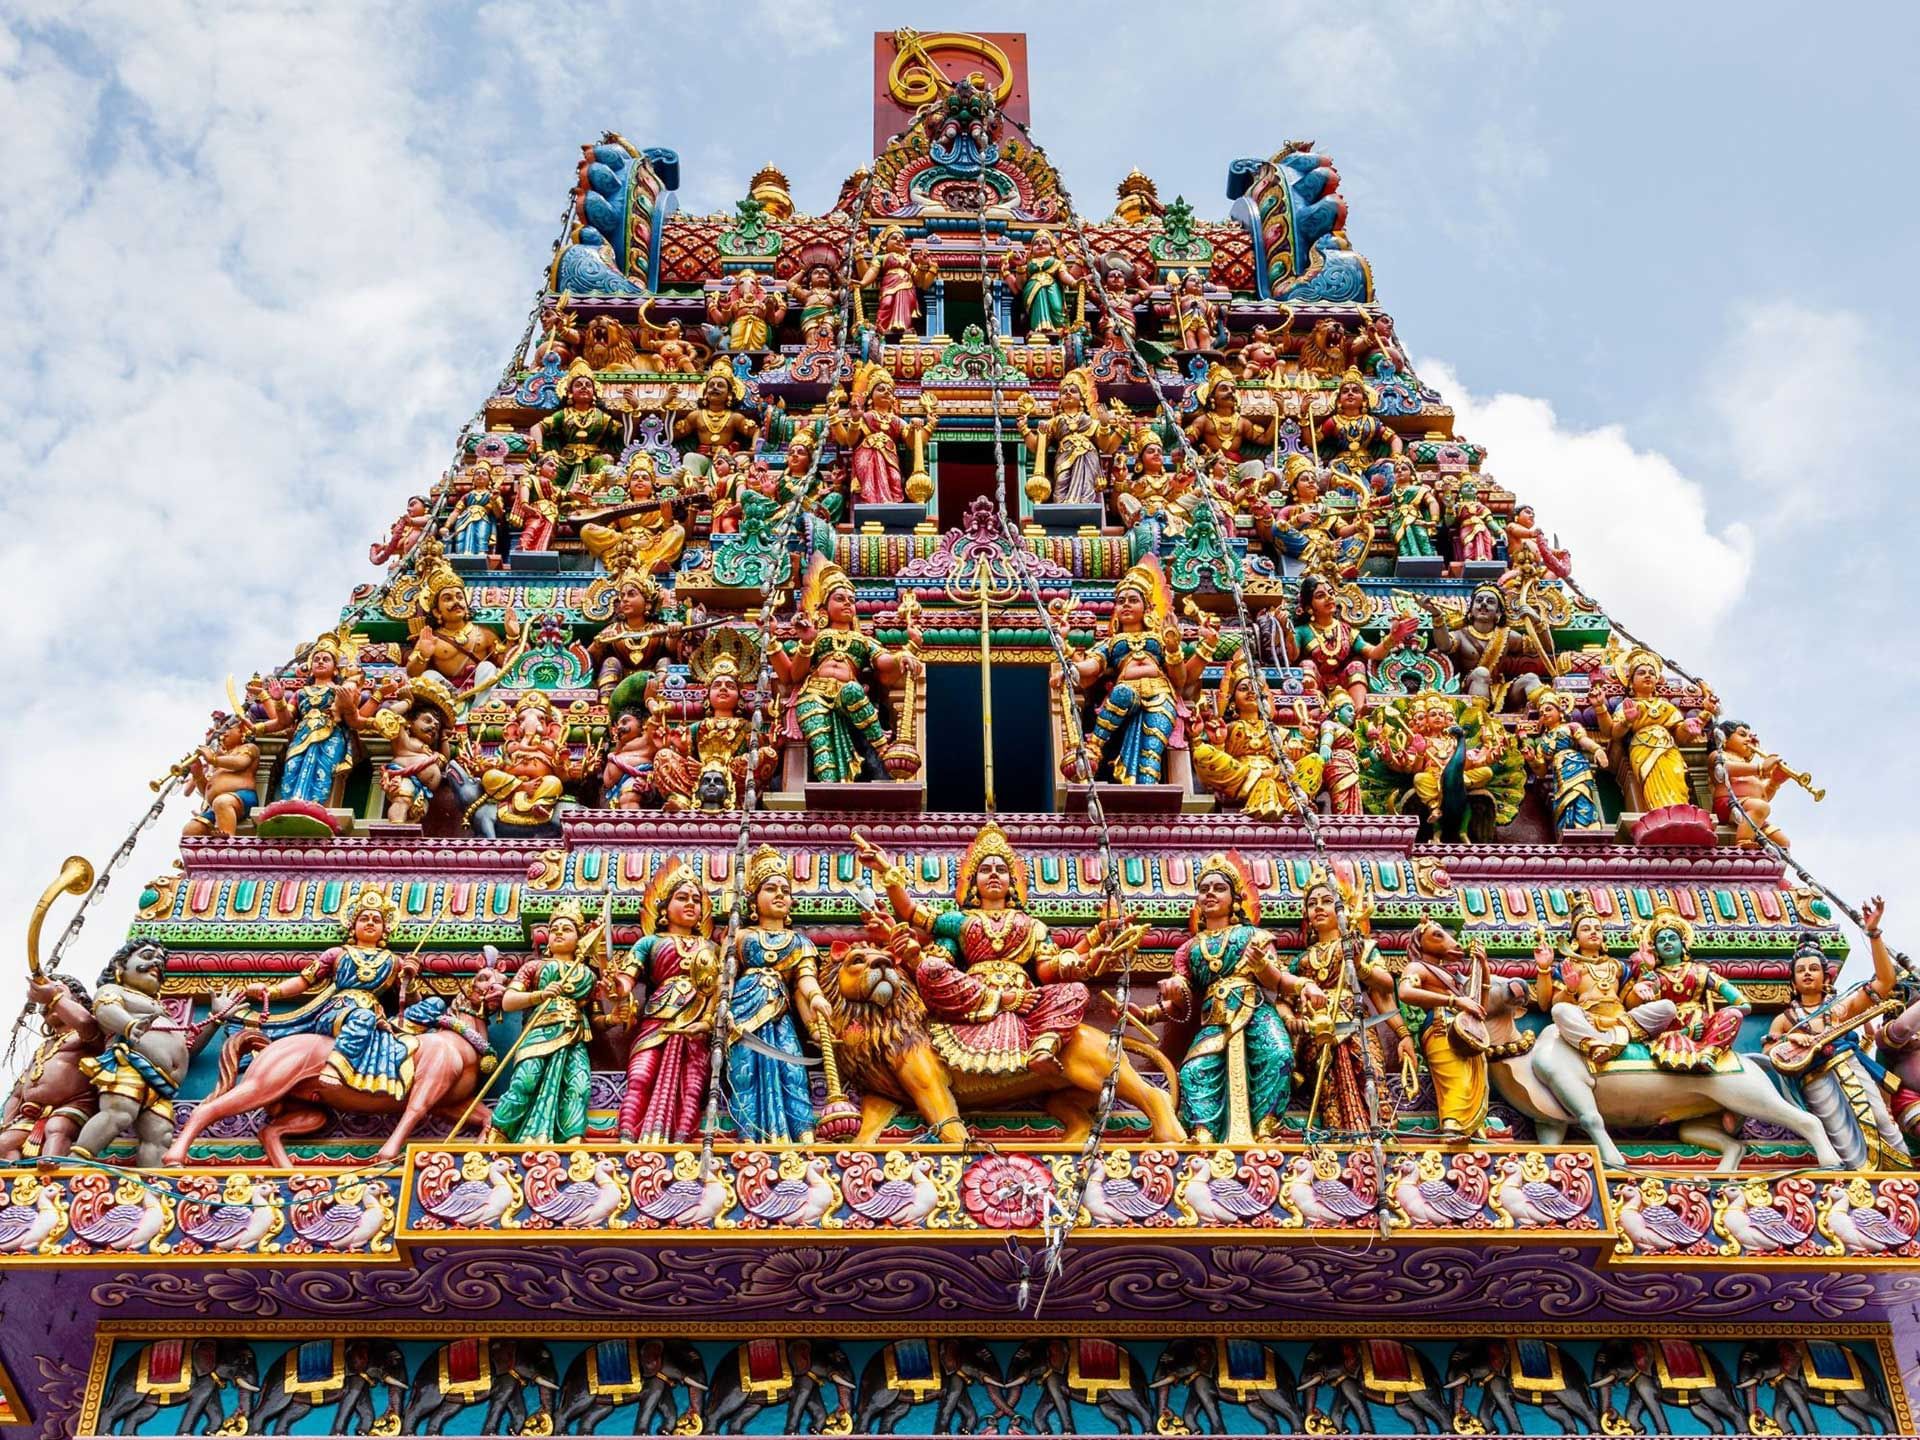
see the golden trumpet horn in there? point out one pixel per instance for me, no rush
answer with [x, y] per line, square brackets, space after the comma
[75, 878]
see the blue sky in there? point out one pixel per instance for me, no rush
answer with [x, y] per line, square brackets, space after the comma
[258, 263]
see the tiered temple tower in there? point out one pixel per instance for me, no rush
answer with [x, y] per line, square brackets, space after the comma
[1015, 836]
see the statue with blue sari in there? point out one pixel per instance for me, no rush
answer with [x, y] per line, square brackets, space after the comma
[769, 1092]
[319, 717]
[1145, 665]
[344, 992]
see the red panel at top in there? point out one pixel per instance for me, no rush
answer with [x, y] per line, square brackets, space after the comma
[1001, 57]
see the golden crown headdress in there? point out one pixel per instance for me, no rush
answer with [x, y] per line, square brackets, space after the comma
[668, 878]
[430, 689]
[1354, 377]
[721, 370]
[823, 578]
[1231, 867]
[763, 865]
[1080, 382]
[1149, 581]
[580, 370]
[868, 377]
[731, 649]
[438, 578]
[1217, 375]
[1665, 917]
[1632, 659]
[371, 898]
[991, 840]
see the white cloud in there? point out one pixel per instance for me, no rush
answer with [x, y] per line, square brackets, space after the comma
[1643, 543]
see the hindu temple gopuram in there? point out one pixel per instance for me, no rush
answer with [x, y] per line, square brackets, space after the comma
[965, 813]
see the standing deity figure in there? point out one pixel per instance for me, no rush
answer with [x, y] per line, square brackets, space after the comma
[721, 739]
[319, 717]
[873, 431]
[822, 306]
[418, 737]
[473, 517]
[450, 643]
[1651, 728]
[408, 531]
[1234, 755]
[1586, 991]
[1817, 1043]
[1338, 738]
[1525, 539]
[1353, 430]
[1452, 1039]
[1473, 532]
[1708, 1009]
[1220, 428]
[748, 310]
[1005, 996]
[145, 1059]
[1192, 319]
[633, 641]
[544, 1100]
[1330, 649]
[1347, 1044]
[1079, 437]
[1413, 511]
[53, 1098]
[1754, 778]
[583, 436]
[1238, 1070]
[225, 773]
[1497, 659]
[536, 506]
[344, 992]
[1145, 665]
[900, 271]
[1043, 278]
[717, 423]
[776, 979]
[529, 777]
[673, 977]
[829, 669]
[1564, 758]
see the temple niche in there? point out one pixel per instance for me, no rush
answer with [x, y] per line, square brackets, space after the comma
[965, 814]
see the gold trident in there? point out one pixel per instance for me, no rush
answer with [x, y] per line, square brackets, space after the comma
[989, 584]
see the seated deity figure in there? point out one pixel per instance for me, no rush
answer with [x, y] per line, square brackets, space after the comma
[829, 669]
[224, 772]
[1330, 649]
[1708, 1008]
[1005, 995]
[450, 643]
[1595, 999]
[1308, 528]
[529, 776]
[1500, 650]
[1139, 669]
[633, 641]
[646, 532]
[1146, 490]
[747, 310]
[722, 737]
[1354, 436]
[1234, 756]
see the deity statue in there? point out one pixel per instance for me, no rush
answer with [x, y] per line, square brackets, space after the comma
[224, 772]
[1452, 1039]
[1043, 278]
[1145, 666]
[1651, 729]
[1586, 991]
[1473, 532]
[716, 424]
[1339, 749]
[1081, 435]
[537, 501]
[544, 1099]
[53, 1098]
[1192, 319]
[344, 989]
[1309, 530]
[675, 967]
[1238, 1070]
[822, 305]
[635, 740]
[645, 529]
[722, 737]
[1564, 757]
[1234, 757]
[664, 349]
[1147, 490]
[900, 271]
[1754, 778]
[1413, 511]
[1525, 539]
[1260, 356]
[748, 310]
[407, 532]
[529, 777]
[776, 979]
[473, 518]
[1354, 430]
[1451, 754]
[559, 332]
[1348, 1046]
[1708, 1009]
[633, 641]
[1816, 1045]
[1330, 649]
[418, 736]
[1498, 660]
[450, 643]
[319, 716]
[146, 1056]
[584, 437]
[1005, 995]
[873, 431]
[828, 669]
[1220, 428]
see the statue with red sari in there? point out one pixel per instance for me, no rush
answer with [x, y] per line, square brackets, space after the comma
[672, 979]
